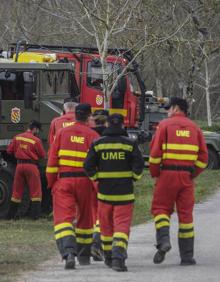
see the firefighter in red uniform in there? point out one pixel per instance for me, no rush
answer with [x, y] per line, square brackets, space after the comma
[178, 154]
[27, 148]
[100, 120]
[65, 120]
[115, 161]
[71, 187]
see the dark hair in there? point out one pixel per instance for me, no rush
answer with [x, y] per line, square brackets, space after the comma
[176, 101]
[34, 124]
[116, 120]
[82, 112]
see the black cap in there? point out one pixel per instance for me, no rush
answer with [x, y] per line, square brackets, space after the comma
[176, 101]
[101, 113]
[83, 109]
[116, 120]
[35, 124]
[68, 99]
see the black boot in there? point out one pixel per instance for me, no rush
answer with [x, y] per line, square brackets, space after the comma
[108, 258]
[96, 253]
[12, 213]
[35, 211]
[119, 265]
[186, 248]
[70, 262]
[163, 244]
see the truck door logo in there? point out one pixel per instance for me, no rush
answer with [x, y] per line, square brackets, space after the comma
[15, 115]
[99, 100]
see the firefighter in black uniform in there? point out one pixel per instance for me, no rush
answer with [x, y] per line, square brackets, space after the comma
[115, 161]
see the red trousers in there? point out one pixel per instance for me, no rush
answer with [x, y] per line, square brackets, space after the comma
[95, 203]
[69, 194]
[27, 174]
[115, 222]
[174, 187]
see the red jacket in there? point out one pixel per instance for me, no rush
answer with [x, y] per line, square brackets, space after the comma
[69, 150]
[58, 123]
[26, 146]
[178, 141]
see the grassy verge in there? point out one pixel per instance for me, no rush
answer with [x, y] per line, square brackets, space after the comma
[206, 184]
[24, 244]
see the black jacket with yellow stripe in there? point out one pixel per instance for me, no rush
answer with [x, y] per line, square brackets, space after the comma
[115, 161]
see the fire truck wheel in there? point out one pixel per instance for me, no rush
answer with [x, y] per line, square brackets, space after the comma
[6, 181]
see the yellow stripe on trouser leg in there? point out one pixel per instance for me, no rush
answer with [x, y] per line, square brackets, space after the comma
[186, 230]
[162, 220]
[106, 242]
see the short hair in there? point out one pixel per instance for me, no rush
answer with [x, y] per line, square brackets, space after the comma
[82, 112]
[69, 106]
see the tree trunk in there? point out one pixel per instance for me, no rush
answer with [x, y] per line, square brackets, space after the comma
[207, 93]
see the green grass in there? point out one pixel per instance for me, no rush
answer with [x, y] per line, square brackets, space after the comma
[24, 243]
[205, 185]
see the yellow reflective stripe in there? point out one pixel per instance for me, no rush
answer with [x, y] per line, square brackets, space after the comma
[15, 200]
[118, 174]
[84, 231]
[113, 146]
[51, 169]
[186, 235]
[106, 247]
[136, 176]
[106, 238]
[62, 226]
[186, 147]
[120, 235]
[162, 224]
[71, 153]
[116, 198]
[200, 164]
[185, 157]
[186, 225]
[112, 111]
[70, 163]
[118, 111]
[64, 234]
[84, 240]
[161, 216]
[36, 199]
[154, 160]
[120, 244]
[25, 139]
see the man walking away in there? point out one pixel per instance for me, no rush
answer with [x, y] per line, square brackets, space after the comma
[178, 154]
[71, 188]
[27, 148]
[115, 161]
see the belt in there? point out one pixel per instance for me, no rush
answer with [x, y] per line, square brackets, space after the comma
[178, 167]
[26, 162]
[72, 174]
